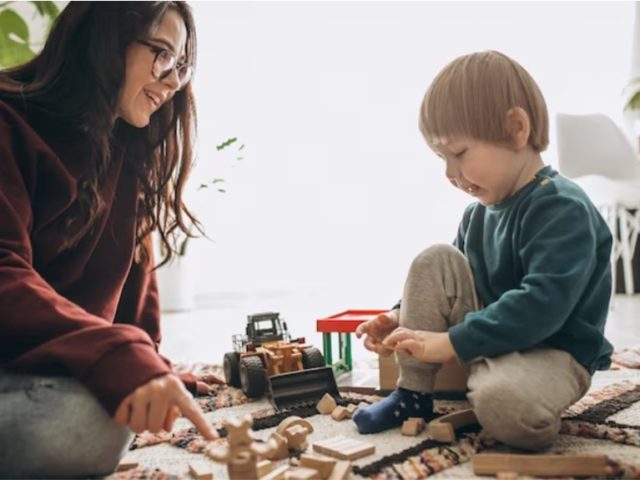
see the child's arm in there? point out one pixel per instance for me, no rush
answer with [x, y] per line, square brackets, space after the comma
[563, 249]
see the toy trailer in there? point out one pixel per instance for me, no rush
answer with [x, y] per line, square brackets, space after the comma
[266, 351]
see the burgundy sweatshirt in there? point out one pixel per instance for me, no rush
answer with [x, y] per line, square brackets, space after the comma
[88, 312]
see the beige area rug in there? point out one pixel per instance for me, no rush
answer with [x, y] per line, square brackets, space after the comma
[609, 416]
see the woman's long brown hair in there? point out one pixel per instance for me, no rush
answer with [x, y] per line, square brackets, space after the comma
[76, 80]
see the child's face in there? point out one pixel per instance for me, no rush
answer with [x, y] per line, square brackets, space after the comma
[489, 172]
[142, 94]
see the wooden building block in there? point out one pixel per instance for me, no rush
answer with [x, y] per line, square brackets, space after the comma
[324, 466]
[443, 428]
[451, 377]
[124, 466]
[351, 409]
[264, 467]
[342, 471]
[363, 405]
[340, 413]
[412, 427]
[281, 448]
[296, 436]
[388, 372]
[326, 404]
[301, 473]
[344, 448]
[200, 470]
[277, 473]
[541, 465]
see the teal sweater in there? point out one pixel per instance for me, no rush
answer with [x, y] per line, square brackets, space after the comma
[540, 261]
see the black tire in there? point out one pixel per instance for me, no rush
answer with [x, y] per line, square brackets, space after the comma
[312, 358]
[253, 376]
[231, 365]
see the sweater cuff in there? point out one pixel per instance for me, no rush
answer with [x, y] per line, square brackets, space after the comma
[121, 371]
[466, 347]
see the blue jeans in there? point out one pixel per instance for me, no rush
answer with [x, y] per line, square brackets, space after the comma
[54, 427]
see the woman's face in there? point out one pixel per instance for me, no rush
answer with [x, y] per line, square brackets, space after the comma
[142, 94]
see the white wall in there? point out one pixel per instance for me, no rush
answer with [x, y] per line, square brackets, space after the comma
[337, 191]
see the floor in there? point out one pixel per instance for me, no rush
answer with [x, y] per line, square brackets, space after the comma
[204, 334]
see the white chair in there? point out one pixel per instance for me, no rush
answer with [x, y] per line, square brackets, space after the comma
[594, 153]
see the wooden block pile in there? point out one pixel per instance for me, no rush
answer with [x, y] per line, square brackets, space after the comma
[328, 406]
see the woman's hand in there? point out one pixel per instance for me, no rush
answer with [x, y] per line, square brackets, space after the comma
[376, 330]
[431, 347]
[155, 406]
[205, 384]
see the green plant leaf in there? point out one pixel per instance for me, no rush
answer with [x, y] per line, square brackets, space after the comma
[47, 9]
[14, 39]
[634, 103]
[226, 143]
[182, 249]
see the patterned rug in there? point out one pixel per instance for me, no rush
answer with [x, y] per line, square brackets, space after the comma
[606, 421]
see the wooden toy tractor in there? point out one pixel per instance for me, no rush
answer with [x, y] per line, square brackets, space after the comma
[265, 351]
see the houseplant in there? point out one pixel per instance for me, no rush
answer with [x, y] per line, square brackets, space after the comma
[175, 278]
[17, 43]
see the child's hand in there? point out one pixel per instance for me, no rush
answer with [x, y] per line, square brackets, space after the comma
[155, 405]
[431, 347]
[376, 329]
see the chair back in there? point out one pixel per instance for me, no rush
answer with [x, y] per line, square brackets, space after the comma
[594, 145]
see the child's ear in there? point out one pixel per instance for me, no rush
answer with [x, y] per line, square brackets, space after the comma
[518, 127]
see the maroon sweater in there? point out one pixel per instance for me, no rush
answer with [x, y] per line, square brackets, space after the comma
[89, 312]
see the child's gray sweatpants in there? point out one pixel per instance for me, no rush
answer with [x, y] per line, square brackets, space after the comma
[54, 427]
[517, 397]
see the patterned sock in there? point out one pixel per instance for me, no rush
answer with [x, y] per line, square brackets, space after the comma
[393, 410]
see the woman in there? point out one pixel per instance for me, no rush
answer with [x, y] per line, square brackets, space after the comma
[95, 146]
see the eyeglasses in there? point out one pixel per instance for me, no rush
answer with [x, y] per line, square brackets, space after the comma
[166, 62]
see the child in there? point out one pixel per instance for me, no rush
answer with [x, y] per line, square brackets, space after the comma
[522, 296]
[96, 137]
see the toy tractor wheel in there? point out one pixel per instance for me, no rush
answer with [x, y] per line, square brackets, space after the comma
[312, 358]
[231, 365]
[253, 376]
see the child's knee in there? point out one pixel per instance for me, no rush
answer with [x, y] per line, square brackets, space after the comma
[513, 419]
[434, 255]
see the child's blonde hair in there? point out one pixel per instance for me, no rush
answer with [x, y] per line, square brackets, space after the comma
[470, 97]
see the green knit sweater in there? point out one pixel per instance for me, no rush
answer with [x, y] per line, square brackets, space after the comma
[541, 263]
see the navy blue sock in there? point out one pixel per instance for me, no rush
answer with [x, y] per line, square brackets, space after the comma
[391, 411]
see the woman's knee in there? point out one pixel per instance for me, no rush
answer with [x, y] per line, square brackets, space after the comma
[57, 428]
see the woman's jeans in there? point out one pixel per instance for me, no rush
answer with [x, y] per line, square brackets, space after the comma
[54, 427]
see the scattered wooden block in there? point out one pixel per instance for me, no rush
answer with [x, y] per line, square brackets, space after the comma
[339, 413]
[124, 466]
[276, 474]
[326, 404]
[200, 471]
[541, 465]
[351, 409]
[342, 471]
[507, 476]
[264, 467]
[412, 426]
[301, 473]
[443, 428]
[344, 448]
[363, 405]
[281, 450]
[324, 466]
[297, 438]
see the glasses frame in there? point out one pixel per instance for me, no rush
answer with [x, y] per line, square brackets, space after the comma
[158, 50]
